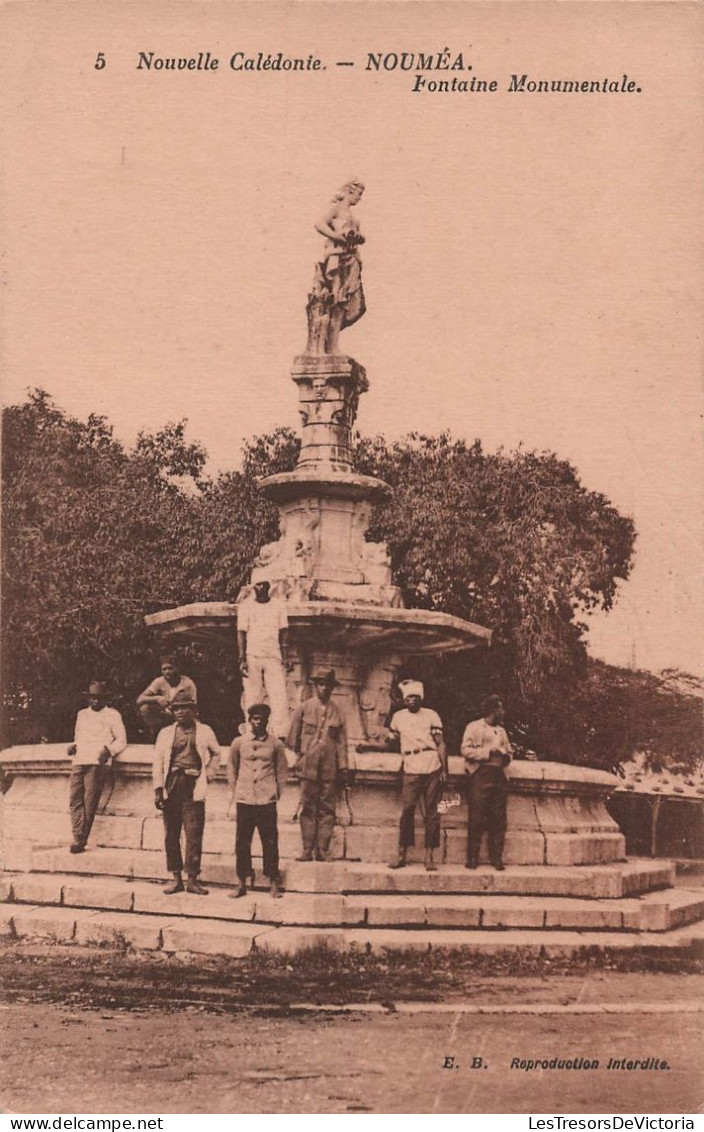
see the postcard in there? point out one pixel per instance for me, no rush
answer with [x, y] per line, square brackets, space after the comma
[352, 466]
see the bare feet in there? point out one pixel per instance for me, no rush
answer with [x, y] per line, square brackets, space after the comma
[241, 890]
[399, 863]
[195, 888]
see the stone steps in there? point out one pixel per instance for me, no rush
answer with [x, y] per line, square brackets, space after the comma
[656, 911]
[236, 940]
[613, 881]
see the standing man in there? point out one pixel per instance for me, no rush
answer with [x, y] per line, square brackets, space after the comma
[257, 772]
[98, 738]
[487, 751]
[419, 732]
[319, 739]
[262, 632]
[186, 756]
[154, 704]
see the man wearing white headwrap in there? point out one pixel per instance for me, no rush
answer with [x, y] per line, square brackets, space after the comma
[419, 733]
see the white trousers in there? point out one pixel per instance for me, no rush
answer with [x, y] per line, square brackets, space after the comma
[265, 682]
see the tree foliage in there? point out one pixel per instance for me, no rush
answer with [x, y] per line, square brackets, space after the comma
[96, 535]
[512, 541]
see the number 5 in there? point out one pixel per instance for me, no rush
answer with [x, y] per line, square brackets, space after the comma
[99, 61]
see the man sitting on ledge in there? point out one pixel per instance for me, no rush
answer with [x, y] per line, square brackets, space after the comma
[154, 704]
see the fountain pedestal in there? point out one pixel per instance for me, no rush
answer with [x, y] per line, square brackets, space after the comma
[344, 611]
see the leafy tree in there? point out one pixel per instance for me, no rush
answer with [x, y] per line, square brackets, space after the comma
[512, 541]
[621, 711]
[168, 451]
[96, 535]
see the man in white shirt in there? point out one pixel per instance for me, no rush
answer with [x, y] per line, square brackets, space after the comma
[262, 634]
[154, 704]
[419, 733]
[487, 750]
[98, 738]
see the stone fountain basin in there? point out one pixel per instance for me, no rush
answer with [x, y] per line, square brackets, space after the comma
[556, 813]
[354, 625]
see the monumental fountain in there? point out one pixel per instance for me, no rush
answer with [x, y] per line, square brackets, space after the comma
[343, 609]
[345, 613]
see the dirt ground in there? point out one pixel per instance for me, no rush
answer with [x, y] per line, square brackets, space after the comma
[87, 1031]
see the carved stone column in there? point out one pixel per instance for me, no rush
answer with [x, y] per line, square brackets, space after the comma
[328, 392]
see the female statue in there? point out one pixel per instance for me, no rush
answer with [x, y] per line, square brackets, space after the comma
[337, 299]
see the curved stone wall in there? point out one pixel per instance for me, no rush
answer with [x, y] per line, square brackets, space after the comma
[556, 816]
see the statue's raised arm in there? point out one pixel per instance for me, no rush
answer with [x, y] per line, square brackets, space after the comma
[336, 299]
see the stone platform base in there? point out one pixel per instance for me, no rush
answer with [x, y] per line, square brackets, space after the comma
[107, 896]
[566, 871]
[556, 813]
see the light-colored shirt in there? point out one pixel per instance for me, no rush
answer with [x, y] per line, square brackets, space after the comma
[95, 730]
[257, 769]
[262, 621]
[479, 740]
[161, 687]
[417, 731]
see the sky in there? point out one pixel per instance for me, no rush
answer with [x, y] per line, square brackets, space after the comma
[532, 268]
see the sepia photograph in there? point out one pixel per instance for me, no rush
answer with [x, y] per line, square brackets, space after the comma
[352, 756]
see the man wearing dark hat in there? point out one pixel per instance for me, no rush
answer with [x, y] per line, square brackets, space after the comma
[186, 756]
[318, 737]
[154, 704]
[99, 737]
[257, 772]
[487, 751]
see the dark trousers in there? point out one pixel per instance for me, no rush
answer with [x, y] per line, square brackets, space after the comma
[85, 788]
[182, 813]
[317, 813]
[487, 795]
[263, 819]
[426, 789]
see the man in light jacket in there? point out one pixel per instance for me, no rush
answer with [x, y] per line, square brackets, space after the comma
[186, 756]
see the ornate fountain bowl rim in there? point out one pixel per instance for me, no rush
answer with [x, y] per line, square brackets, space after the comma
[324, 479]
[406, 631]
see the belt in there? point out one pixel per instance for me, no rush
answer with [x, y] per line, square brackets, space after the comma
[420, 750]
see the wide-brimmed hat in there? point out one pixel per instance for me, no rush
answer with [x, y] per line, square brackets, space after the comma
[97, 688]
[183, 699]
[326, 676]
